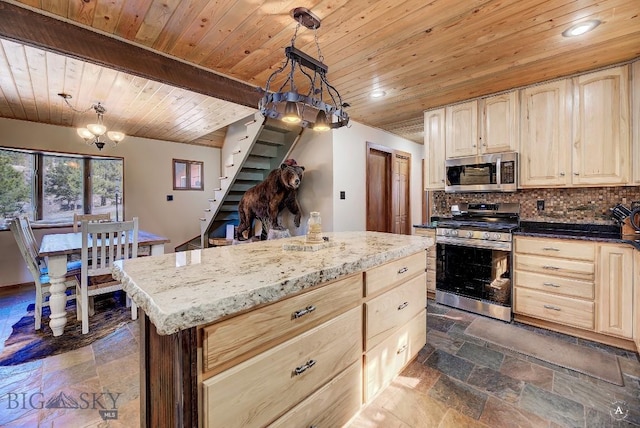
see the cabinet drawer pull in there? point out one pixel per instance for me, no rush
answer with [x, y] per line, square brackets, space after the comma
[401, 350]
[403, 270]
[303, 368]
[550, 284]
[551, 249]
[552, 307]
[302, 312]
[550, 267]
[403, 305]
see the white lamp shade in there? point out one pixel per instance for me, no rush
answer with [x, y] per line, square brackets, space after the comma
[97, 129]
[85, 133]
[115, 136]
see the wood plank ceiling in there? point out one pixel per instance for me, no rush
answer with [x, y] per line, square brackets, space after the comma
[422, 54]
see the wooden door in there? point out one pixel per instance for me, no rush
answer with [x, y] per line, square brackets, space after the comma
[379, 165]
[601, 127]
[545, 138]
[499, 131]
[462, 129]
[401, 208]
[434, 146]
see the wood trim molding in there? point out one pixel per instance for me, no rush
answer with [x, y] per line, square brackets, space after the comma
[38, 30]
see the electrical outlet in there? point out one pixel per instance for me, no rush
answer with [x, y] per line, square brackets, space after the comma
[343, 194]
[540, 205]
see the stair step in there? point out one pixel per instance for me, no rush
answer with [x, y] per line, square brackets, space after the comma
[264, 150]
[241, 186]
[250, 175]
[257, 162]
[234, 197]
[272, 137]
[229, 207]
[227, 216]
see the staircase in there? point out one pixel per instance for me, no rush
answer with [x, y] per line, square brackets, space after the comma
[252, 148]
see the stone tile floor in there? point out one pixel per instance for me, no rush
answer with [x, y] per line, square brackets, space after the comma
[461, 381]
[456, 381]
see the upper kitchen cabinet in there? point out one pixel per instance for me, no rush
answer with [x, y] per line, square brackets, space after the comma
[489, 125]
[545, 154]
[462, 129]
[499, 123]
[434, 142]
[635, 120]
[601, 143]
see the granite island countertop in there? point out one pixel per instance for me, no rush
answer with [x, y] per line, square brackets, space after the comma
[186, 289]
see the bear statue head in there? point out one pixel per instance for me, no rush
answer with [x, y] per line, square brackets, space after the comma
[291, 174]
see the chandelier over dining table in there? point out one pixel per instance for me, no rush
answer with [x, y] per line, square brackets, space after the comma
[93, 133]
[320, 107]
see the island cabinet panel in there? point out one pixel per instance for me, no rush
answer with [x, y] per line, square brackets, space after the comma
[263, 388]
[228, 342]
[333, 405]
[389, 275]
[384, 362]
[389, 311]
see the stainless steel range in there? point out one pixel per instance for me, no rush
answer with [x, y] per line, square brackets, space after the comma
[473, 261]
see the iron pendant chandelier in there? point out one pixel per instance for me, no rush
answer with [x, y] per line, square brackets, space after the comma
[94, 131]
[320, 107]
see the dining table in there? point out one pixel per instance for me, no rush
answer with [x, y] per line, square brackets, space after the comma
[58, 248]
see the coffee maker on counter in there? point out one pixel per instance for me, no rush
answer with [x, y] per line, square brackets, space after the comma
[629, 219]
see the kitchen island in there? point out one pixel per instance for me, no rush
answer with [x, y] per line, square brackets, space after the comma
[254, 334]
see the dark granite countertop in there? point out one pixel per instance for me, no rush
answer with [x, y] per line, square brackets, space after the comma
[578, 231]
[425, 226]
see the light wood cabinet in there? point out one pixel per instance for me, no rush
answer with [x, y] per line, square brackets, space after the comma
[259, 390]
[545, 154]
[601, 143]
[461, 137]
[434, 149]
[554, 280]
[615, 290]
[499, 125]
[580, 284]
[431, 260]
[635, 120]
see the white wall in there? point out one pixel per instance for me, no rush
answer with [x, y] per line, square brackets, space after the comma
[337, 161]
[148, 180]
[350, 172]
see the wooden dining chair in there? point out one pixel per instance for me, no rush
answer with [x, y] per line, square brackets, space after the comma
[102, 245]
[29, 252]
[77, 218]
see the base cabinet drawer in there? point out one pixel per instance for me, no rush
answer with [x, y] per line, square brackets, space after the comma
[388, 275]
[577, 250]
[551, 266]
[554, 284]
[257, 391]
[265, 327]
[551, 307]
[333, 405]
[385, 361]
[385, 313]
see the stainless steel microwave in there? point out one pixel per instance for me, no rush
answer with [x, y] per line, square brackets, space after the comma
[495, 172]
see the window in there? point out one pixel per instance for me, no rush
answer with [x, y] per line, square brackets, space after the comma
[49, 187]
[188, 175]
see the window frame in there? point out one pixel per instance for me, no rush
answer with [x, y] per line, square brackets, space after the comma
[188, 164]
[38, 182]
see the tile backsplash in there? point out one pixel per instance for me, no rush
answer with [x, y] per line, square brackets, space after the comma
[569, 205]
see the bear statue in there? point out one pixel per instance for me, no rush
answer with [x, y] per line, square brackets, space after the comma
[266, 199]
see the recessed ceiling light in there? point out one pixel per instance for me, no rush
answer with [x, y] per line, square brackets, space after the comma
[581, 28]
[378, 94]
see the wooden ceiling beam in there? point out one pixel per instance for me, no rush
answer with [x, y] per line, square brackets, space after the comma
[34, 29]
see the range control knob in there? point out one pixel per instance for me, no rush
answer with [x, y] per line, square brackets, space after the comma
[454, 232]
[486, 235]
[497, 236]
[469, 234]
[446, 232]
